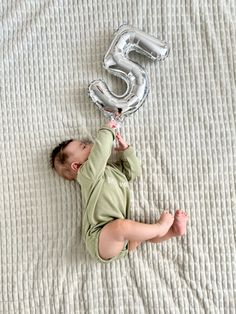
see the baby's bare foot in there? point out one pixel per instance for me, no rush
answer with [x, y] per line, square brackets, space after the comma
[164, 223]
[180, 222]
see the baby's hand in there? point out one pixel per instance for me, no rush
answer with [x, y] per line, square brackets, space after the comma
[121, 145]
[112, 124]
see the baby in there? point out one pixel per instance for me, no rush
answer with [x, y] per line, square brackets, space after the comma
[107, 230]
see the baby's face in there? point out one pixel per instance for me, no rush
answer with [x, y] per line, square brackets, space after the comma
[77, 152]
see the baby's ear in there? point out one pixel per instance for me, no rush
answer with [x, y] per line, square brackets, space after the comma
[75, 166]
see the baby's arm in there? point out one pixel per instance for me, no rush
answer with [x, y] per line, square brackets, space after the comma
[128, 163]
[100, 153]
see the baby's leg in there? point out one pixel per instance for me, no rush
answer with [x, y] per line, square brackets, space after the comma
[114, 234]
[133, 245]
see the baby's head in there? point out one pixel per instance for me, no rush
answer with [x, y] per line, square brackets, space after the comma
[68, 156]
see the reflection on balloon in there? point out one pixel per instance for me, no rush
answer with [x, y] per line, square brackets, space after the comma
[117, 62]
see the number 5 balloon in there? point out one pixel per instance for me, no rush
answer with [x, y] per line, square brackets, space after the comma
[118, 63]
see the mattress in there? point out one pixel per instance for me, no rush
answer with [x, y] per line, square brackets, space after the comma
[184, 134]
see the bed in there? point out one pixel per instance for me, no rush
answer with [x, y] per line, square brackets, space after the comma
[184, 135]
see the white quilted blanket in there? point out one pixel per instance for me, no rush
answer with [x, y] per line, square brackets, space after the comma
[184, 134]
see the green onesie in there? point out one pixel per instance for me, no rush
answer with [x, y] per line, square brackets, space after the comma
[104, 188]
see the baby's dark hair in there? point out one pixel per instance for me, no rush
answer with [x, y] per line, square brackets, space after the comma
[58, 153]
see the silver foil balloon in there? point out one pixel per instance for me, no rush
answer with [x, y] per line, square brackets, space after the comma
[117, 62]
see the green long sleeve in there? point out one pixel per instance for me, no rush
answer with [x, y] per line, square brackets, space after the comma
[128, 163]
[95, 165]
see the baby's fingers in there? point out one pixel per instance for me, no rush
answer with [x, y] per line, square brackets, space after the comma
[112, 124]
[118, 136]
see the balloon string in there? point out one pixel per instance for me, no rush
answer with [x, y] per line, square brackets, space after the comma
[117, 130]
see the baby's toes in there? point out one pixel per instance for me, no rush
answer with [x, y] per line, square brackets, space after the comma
[180, 213]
